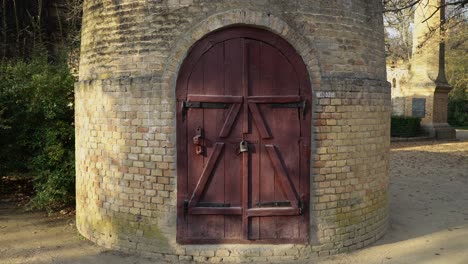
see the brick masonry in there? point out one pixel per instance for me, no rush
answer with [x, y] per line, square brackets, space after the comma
[125, 121]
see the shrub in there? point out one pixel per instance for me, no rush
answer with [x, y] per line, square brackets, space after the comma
[458, 112]
[405, 126]
[457, 74]
[36, 127]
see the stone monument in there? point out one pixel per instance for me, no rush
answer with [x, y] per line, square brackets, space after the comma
[424, 91]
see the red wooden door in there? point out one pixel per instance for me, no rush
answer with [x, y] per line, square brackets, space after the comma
[243, 140]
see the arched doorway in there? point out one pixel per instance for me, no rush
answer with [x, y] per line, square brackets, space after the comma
[243, 140]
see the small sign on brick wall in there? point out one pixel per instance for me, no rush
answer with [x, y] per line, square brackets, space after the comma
[419, 107]
[326, 94]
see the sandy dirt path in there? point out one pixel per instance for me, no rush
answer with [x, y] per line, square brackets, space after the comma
[429, 218]
[429, 207]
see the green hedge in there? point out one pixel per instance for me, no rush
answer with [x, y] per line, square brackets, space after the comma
[458, 112]
[405, 126]
[36, 128]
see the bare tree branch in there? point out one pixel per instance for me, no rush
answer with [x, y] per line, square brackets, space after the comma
[394, 7]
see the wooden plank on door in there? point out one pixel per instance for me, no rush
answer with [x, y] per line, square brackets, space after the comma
[213, 85]
[233, 165]
[267, 175]
[286, 123]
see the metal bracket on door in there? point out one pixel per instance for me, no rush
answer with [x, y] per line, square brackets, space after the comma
[206, 204]
[190, 104]
[282, 204]
[206, 105]
[275, 204]
[301, 207]
[302, 104]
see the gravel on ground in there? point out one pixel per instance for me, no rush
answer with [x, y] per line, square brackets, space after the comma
[428, 218]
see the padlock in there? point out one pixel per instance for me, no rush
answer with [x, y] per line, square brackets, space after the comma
[199, 150]
[243, 146]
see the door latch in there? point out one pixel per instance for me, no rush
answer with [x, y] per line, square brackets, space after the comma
[197, 141]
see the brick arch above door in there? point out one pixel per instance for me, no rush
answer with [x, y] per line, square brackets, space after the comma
[241, 17]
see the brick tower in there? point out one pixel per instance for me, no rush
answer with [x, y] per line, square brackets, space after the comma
[232, 130]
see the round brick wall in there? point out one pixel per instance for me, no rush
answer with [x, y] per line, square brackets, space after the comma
[125, 121]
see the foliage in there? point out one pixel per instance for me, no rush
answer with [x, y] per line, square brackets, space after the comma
[399, 5]
[399, 35]
[405, 126]
[31, 27]
[3, 121]
[457, 74]
[36, 97]
[458, 112]
[398, 20]
[38, 133]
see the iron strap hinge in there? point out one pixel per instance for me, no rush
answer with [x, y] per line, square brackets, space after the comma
[301, 207]
[205, 204]
[275, 204]
[190, 104]
[302, 104]
[283, 204]
[201, 105]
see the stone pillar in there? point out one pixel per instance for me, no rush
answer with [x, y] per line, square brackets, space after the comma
[428, 97]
